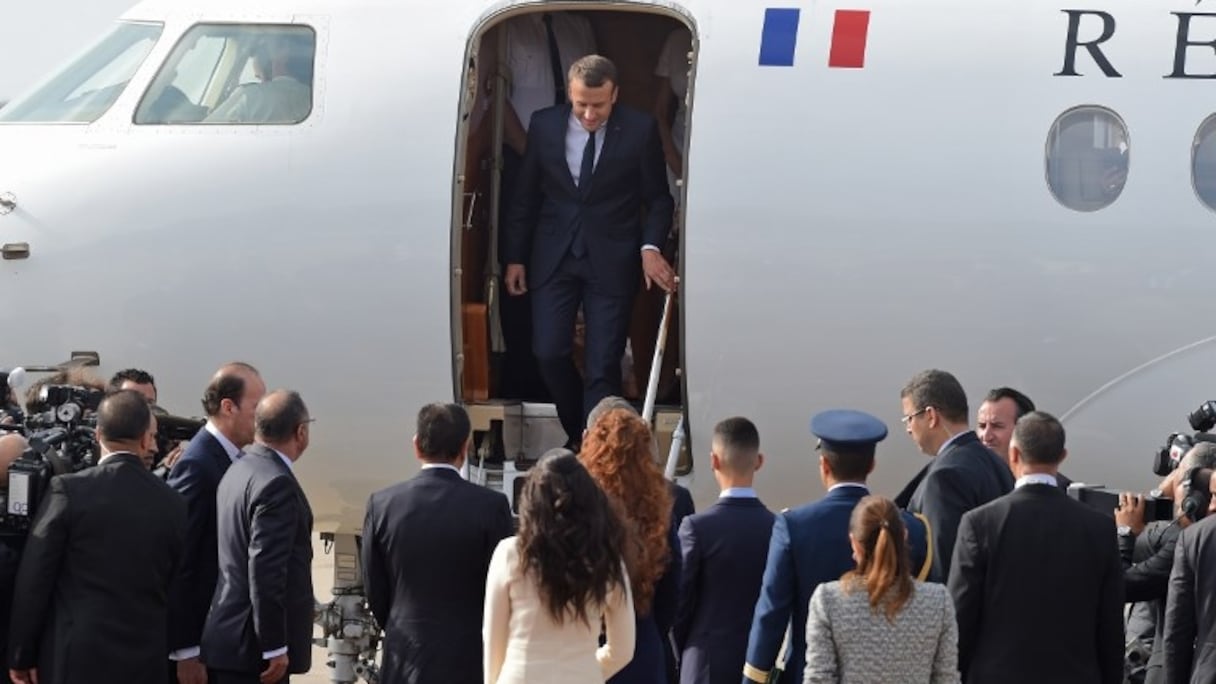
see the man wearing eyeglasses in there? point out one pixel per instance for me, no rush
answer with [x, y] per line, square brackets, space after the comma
[964, 473]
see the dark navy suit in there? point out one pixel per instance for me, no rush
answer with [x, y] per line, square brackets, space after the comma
[966, 475]
[809, 546]
[582, 244]
[196, 476]
[723, 551]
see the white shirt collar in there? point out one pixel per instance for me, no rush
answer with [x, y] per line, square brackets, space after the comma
[738, 493]
[449, 466]
[1036, 478]
[838, 485]
[229, 448]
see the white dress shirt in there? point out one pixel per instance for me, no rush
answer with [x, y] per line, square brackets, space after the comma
[738, 493]
[576, 142]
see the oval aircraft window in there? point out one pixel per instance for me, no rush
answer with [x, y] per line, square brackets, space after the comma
[1087, 158]
[1203, 162]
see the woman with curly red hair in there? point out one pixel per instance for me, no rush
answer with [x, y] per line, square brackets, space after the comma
[618, 452]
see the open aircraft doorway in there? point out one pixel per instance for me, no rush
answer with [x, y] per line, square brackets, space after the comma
[510, 73]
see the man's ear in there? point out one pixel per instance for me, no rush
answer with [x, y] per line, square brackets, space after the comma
[760, 462]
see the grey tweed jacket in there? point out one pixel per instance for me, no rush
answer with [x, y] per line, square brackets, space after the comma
[847, 642]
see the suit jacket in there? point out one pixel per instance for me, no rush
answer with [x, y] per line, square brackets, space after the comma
[966, 475]
[264, 598]
[196, 476]
[1038, 591]
[548, 208]
[427, 545]
[809, 545]
[723, 551]
[1190, 612]
[681, 503]
[92, 590]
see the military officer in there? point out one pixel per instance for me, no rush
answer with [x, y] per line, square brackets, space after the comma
[810, 544]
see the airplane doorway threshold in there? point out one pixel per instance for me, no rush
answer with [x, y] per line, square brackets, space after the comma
[514, 421]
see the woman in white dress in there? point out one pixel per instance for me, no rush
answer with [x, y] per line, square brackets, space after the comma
[553, 586]
[877, 625]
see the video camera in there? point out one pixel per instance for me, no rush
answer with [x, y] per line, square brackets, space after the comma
[61, 440]
[1106, 500]
[1202, 419]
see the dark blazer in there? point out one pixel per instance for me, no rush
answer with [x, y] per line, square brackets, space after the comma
[92, 590]
[264, 599]
[196, 476]
[426, 549]
[1190, 613]
[1148, 560]
[968, 474]
[548, 207]
[681, 503]
[809, 545]
[723, 551]
[1038, 591]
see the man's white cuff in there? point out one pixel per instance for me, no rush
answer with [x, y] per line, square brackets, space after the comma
[185, 653]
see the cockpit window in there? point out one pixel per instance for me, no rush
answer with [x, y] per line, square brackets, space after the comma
[234, 74]
[87, 87]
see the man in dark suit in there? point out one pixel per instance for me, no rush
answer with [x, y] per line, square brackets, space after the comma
[92, 591]
[995, 418]
[427, 544]
[723, 551]
[1189, 636]
[809, 545]
[964, 474]
[575, 236]
[1037, 562]
[259, 627]
[229, 403]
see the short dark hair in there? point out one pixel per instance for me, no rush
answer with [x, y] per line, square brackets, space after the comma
[442, 431]
[228, 383]
[848, 462]
[1023, 402]
[278, 415]
[741, 441]
[1039, 438]
[594, 70]
[938, 389]
[123, 416]
[135, 375]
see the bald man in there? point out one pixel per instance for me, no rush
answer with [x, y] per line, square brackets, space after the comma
[259, 628]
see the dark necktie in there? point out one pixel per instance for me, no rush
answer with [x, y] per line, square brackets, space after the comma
[577, 247]
[588, 167]
[555, 63]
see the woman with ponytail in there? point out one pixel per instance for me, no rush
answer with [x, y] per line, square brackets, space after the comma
[877, 624]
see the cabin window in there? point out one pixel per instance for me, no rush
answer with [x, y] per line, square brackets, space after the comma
[234, 74]
[89, 86]
[1203, 162]
[1087, 158]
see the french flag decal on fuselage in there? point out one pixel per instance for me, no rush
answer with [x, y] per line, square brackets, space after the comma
[779, 37]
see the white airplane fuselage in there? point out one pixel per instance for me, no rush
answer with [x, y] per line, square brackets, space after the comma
[844, 228]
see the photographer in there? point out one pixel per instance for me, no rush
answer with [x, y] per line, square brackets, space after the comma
[1148, 555]
[92, 587]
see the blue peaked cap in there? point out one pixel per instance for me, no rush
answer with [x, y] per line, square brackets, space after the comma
[848, 429]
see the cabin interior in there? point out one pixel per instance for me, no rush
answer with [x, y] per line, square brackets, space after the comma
[511, 425]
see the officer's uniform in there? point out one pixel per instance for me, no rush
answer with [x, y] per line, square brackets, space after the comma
[810, 545]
